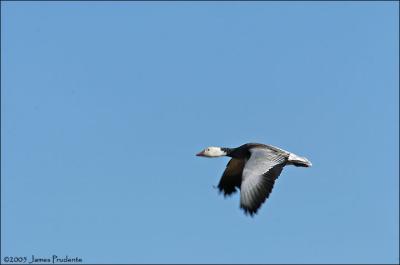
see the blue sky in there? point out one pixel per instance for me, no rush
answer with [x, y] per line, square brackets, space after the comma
[104, 105]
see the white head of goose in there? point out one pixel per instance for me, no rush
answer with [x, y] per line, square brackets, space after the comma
[253, 169]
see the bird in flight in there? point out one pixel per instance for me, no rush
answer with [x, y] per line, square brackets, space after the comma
[253, 169]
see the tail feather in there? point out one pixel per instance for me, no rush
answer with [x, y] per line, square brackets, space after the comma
[298, 161]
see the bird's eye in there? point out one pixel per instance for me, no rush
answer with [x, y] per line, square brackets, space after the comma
[208, 149]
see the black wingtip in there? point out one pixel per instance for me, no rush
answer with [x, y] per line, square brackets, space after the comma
[226, 192]
[248, 211]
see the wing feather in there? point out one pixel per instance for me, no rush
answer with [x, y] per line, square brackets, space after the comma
[259, 175]
[232, 176]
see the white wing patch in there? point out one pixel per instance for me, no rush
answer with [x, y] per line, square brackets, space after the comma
[258, 178]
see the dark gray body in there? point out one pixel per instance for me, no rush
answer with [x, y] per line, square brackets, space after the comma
[258, 189]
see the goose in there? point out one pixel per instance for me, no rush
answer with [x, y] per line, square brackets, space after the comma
[253, 169]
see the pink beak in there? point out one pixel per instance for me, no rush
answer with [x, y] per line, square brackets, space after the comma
[200, 154]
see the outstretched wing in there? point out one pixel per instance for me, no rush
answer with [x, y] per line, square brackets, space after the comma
[232, 176]
[259, 175]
